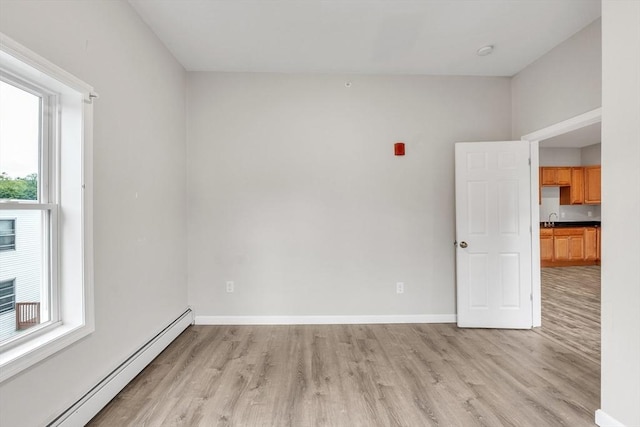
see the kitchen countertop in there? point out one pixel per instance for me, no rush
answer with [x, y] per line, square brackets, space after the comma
[559, 224]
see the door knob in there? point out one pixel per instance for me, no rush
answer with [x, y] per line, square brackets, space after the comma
[463, 244]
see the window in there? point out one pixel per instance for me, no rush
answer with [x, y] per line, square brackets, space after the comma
[7, 234]
[45, 176]
[7, 296]
[27, 193]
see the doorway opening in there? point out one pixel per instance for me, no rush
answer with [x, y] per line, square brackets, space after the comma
[567, 232]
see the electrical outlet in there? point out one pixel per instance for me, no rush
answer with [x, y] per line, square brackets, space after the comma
[230, 286]
[589, 213]
[399, 288]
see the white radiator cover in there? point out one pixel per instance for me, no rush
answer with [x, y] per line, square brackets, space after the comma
[97, 398]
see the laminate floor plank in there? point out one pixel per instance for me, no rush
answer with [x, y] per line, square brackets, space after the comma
[380, 375]
[571, 308]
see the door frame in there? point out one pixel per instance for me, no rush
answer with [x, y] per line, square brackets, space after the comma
[534, 138]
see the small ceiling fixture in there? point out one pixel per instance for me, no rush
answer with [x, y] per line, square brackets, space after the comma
[485, 50]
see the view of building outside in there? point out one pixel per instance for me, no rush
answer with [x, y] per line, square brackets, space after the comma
[22, 266]
[22, 249]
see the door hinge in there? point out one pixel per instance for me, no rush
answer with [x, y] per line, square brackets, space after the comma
[531, 297]
[529, 161]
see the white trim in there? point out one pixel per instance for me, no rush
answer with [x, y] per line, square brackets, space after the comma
[577, 122]
[605, 420]
[536, 281]
[26, 206]
[22, 54]
[91, 403]
[324, 320]
[30, 352]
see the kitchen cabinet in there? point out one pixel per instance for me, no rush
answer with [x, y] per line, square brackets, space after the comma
[574, 194]
[591, 243]
[565, 246]
[568, 244]
[592, 192]
[546, 244]
[578, 185]
[555, 176]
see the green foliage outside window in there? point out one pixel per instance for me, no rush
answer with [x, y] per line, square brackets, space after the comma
[19, 188]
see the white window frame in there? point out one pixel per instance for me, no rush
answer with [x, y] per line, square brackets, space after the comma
[47, 203]
[67, 163]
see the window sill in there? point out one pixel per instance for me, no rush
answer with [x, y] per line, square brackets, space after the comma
[21, 357]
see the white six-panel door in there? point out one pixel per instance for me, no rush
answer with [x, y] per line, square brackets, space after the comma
[493, 234]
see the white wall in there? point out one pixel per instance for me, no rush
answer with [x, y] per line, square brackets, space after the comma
[621, 207]
[139, 191]
[560, 156]
[561, 84]
[294, 192]
[565, 213]
[591, 155]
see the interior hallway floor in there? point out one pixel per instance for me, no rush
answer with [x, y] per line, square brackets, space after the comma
[380, 375]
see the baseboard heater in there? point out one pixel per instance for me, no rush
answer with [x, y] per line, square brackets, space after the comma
[81, 412]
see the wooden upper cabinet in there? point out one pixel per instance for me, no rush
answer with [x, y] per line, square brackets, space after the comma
[592, 193]
[553, 176]
[548, 176]
[564, 176]
[578, 185]
[574, 194]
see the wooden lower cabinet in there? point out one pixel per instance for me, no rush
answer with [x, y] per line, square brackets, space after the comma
[591, 236]
[569, 246]
[598, 239]
[546, 245]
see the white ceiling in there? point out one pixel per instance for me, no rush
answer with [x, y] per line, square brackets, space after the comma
[364, 36]
[578, 138]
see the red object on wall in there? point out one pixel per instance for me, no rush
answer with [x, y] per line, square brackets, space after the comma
[398, 148]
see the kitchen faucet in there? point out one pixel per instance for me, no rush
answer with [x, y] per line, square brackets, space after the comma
[550, 223]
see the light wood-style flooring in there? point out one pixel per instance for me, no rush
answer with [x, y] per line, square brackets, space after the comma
[379, 375]
[571, 308]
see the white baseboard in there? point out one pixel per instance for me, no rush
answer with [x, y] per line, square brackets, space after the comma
[323, 320]
[91, 403]
[605, 420]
